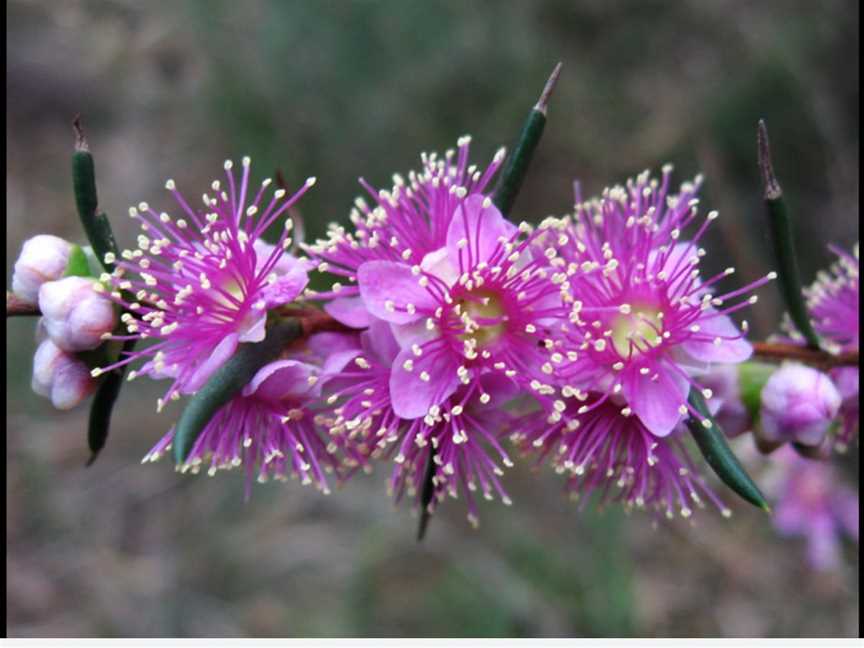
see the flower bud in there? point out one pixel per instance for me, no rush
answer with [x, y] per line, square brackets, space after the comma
[43, 258]
[798, 405]
[75, 315]
[60, 376]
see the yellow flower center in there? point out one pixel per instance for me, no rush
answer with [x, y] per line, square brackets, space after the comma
[642, 326]
[483, 316]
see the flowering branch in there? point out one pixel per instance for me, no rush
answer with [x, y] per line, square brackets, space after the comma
[815, 357]
[17, 307]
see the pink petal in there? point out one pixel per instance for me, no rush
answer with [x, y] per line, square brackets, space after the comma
[713, 324]
[350, 311]
[281, 380]
[286, 288]
[412, 396]
[224, 350]
[482, 227]
[383, 282]
[656, 402]
[379, 342]
[255, 327]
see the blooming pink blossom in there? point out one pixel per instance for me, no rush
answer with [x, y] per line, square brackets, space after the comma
[199, 285]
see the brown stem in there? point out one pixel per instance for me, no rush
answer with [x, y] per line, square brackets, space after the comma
[17, 307]
[779, 351]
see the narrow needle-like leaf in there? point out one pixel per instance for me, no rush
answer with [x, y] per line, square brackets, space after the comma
[712, 443]
[517, 162]
[95, 223]
[789, 277]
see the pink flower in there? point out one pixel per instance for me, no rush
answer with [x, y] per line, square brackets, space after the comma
[642, 322]
[461, 432]
[833, 302]
[814, 503]
[269, 428]
[202, 284]
[609, 451]
[477, 304]
[407, 222]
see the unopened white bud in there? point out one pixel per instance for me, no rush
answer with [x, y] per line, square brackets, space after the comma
[75, 315]
[43, 258]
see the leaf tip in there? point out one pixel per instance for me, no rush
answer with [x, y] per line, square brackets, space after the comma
[543, 102]
[771, 186]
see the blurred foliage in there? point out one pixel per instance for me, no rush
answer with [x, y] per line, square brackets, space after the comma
[342, 89]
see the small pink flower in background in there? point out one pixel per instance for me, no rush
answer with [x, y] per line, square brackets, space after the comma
[798, 405]
[833, 302]
[77, 315]
[60, 376]
[199, 285]
[643, 323]
[814, 503]
[43, 258]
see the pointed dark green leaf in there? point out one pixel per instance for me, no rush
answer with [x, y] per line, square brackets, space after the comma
[516, 165]
[95, 223]
[103, 405]
[426, 495]
[227, 382]
[788, 275]
[712, 444]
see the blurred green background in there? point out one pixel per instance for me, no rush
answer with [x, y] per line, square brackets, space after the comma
[343, 89]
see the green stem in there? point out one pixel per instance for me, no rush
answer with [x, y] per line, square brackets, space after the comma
[781, 239]
[712, 442]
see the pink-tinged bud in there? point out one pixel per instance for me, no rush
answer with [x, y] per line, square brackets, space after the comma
[798, 405]
[60, 376]
[75, 316]
[43, 258]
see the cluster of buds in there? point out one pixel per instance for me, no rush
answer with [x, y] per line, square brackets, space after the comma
[77, 317]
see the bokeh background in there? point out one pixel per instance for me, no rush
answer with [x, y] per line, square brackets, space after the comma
[342, 89]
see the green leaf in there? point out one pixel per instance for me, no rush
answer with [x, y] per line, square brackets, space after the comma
[516, 166]
[227, 382]
[426, 495]
[752, 377]
[103, 405]
[712, 444]
[96, 225]
[77, 266]
[788, 275]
